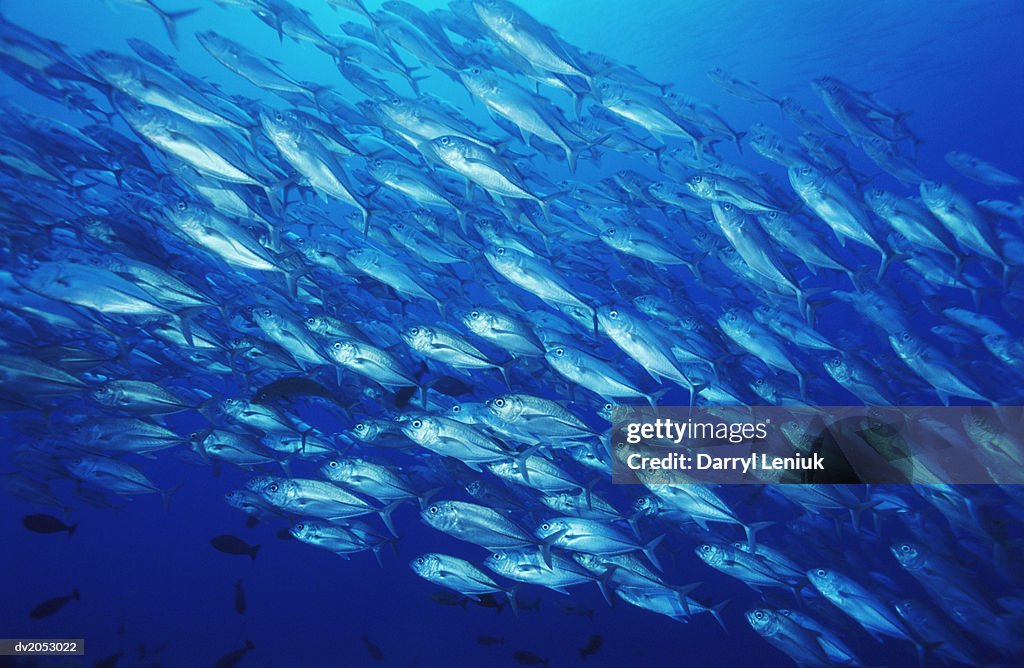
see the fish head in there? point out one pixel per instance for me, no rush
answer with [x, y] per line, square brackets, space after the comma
[339, 470]
[551, 527]
[117, 70]
[364, 259]
[764, 621]
[827, 581]
[422, 429]
[732, 321]
[561, 356]
[936, 194]
[443, 515]
[478, 81]
[806, 179]
[614, 320]
[279, 491]
[702, 184]
[508, 407]
[646, 506]
[497, 15]
[367, 431]
[109, 394]
[280, 125]
[881, 201]
[502, 562]
[426, 565]
[234, 407]
[478, 320]
[908, 554]
[345, 351]
[712, 554]
[906, 343]
[316, 324]
[260, 483]
[266, 317]
[419, 337]
[219, 47]
[303, 530]
[449, 149]
[728, 215]
[764, 388]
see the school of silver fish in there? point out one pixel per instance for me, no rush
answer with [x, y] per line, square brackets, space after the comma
[442, 305]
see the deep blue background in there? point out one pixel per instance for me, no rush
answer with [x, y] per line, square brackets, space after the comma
[149, 577]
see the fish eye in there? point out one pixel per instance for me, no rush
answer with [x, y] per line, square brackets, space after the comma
[727, 206]
[445, 141]
[698, 179]
[904, 548]
[500, 251]
[545, 526]
[279, 117]
[475, 70]
[705, 548]
[559, 351]
[837, 362]
[416, 424]
[337, 346]
[608, 406]
[273, 488]
[182, 206]
[806, 171]
[378, 163]
[820, 572]
[456, 408]
[414, 331]
[758, 615]
[610, 231]
[499, 402]
[420, 561]
[613, 315]
[474, 315]
[360, 427]
[266, 313]
[394, 100]
[434, 510]
[497, 556]
[300, 527]
[333, 464]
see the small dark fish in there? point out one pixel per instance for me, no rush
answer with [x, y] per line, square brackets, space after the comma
[53, 605]
[41, 523]
[231, 659]
[453, 387]
[403, 395]
[110, 661]
[284, 534]
[240, 604]
[525, 658]
[251, 521]
[533, 606]
[489, 641]
[229, 544]
[447, 598]
[491, 601]
[290, 389]
[372, 649]
[574, 610]
[591, 647]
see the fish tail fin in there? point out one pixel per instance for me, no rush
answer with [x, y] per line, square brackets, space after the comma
[253, 551]
[385, 515]
[751, 532]
[71, 530]
[249, 645]
[165, 494]
[716, 612]
[682, 592]
[545, 546]
[504, 370]
[510, 593]
[170, 20]
[648, 551]
[737, 138]
[75, 595]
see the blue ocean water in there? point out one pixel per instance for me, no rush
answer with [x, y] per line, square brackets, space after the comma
[153, 591]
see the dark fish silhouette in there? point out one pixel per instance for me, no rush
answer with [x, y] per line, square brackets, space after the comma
[489, 641]
[110, 661]
[284, 534]
[240, 603]
[525, 658]
[453, 387]
[52, 606]
[231, 659]
[372, 649]
[41, 523]
[290, 389]
[592, 646]
[229, 544]
[449, 599]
